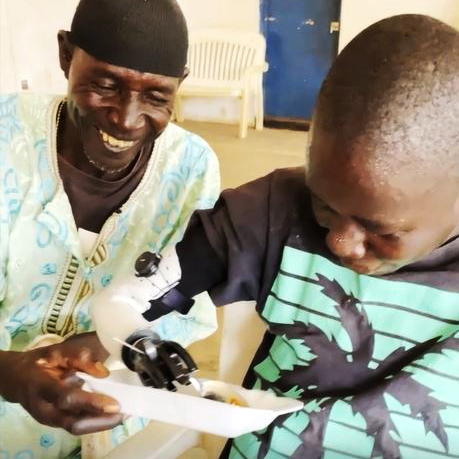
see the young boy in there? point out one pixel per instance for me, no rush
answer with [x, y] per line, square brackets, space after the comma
[354, 265]
[357, 273]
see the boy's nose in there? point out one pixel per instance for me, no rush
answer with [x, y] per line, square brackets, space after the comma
[346, 239]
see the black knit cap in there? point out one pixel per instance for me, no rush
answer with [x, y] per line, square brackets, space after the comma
[145, 35]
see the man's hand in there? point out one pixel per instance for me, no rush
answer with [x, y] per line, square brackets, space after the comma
[43, 381]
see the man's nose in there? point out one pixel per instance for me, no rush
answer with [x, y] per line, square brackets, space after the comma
[127, 115]
[346, 239]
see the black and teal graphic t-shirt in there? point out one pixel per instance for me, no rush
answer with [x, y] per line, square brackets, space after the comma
[374, 359]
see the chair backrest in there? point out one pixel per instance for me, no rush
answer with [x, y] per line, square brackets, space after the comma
[223, 54]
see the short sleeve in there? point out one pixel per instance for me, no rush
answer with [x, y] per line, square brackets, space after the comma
[223, 248]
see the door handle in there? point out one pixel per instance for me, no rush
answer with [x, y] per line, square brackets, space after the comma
[334, 26]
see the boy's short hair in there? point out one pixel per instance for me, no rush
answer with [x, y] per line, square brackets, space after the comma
[394, 90]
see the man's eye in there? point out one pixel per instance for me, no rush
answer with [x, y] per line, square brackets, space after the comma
[393, 236]
[156, 98]
[104, 86]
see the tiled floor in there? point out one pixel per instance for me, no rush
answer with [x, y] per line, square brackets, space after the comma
[242, 160]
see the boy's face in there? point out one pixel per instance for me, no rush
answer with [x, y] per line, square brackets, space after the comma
[379, 217]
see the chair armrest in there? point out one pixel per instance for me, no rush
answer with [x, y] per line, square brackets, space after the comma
[251, 72]
[254, 69]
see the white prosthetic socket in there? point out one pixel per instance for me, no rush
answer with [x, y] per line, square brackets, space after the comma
[117, 311]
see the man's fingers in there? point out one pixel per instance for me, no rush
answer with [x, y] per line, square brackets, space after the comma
[78, 400]
[71, 379]
[45, 413]
[85, 361]
[78, 359]
[75, 423]
[90, 424]
[50, 389]
[96, 369]
[63, 390]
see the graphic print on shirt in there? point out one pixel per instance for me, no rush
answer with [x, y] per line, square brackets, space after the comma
[374, 361]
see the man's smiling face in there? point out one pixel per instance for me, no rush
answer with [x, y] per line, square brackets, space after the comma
[117, 111]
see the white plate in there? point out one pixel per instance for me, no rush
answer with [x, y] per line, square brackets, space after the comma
[192, 411]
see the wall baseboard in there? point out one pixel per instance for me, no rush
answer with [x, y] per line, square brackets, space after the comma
[218, 120]
[275, 122]
[294, 124]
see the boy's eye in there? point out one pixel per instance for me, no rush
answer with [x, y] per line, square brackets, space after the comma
[322, 212]
[320, 205]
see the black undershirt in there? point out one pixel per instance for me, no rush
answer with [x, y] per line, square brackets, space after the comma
[92, 199]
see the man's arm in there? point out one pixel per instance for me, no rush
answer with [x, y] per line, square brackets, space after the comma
[43, 381]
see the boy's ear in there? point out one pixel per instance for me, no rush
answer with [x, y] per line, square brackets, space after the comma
[65, 51]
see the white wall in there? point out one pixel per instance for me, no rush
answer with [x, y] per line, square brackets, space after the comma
[28, 44]
[28, 47]
[358, 14]
[238, 14]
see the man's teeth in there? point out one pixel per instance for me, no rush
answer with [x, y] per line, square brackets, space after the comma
[116, 142]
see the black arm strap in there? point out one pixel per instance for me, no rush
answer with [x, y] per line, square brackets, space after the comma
[173, 300]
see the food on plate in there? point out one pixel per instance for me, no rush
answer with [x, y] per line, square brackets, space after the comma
[232, 399]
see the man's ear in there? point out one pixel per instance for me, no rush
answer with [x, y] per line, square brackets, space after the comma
[186, 72]
[456, 212]
[65, 51]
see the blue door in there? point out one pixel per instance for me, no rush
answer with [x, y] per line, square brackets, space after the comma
[301, 45]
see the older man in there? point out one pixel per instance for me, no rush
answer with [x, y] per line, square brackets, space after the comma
[88, 182]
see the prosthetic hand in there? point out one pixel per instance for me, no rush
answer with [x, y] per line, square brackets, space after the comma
[122, 314]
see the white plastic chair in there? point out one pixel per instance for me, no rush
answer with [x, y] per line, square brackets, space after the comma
[226, 63]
